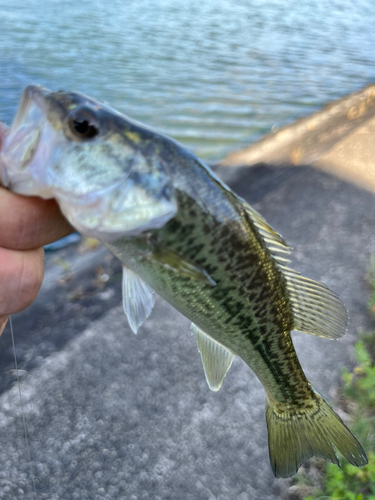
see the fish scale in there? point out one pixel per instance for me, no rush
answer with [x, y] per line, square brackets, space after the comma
[246, 329]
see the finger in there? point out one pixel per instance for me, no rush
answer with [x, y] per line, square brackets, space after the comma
[30, 222]
[3, 323]
[21, 278]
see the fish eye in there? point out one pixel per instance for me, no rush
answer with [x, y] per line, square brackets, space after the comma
[83, 123]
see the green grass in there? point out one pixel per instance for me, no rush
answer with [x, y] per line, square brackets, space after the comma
[358, 400]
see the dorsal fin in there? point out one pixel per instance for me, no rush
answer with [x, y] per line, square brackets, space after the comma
[137, 298]
[216, 358]
[264, 228]
[316, 309]
[273, 240]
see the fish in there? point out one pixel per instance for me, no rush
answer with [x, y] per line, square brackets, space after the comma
[179, 231]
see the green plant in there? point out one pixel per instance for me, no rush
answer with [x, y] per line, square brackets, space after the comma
[371, 280]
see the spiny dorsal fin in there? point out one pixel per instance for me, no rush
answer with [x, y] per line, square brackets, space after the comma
[316, 309]
[264, 228]
[137, 298]
[216, 358]
[273, 240]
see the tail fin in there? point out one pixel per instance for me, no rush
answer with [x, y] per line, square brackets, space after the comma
[296, 434]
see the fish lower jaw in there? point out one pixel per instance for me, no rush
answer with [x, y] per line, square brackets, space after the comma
[21, 183]
[112, 226]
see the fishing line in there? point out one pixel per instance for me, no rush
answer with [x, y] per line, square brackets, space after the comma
[23, 414]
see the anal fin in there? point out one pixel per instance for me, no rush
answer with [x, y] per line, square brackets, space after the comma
[216, 358]
[137, 298]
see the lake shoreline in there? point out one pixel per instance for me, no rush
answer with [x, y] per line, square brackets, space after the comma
[338, 139]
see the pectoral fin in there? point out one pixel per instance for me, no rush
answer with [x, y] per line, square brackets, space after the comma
[216, 359]
[137, 298]
[181, 265]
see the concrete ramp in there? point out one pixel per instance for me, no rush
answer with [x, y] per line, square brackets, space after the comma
[339, 139]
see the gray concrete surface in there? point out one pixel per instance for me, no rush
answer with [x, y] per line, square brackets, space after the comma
[111, 415]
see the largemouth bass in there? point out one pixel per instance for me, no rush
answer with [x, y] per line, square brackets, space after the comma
[179, 231]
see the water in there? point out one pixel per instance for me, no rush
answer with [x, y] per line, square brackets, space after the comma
[214, 74]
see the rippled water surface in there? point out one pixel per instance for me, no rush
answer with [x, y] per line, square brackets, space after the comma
[214, 74]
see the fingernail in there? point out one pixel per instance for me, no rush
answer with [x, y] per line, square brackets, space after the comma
[3, 323]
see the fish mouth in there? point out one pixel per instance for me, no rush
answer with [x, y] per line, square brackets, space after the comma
[22, 142]
[32, 94]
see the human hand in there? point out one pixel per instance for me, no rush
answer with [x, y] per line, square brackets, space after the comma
[26, 225]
